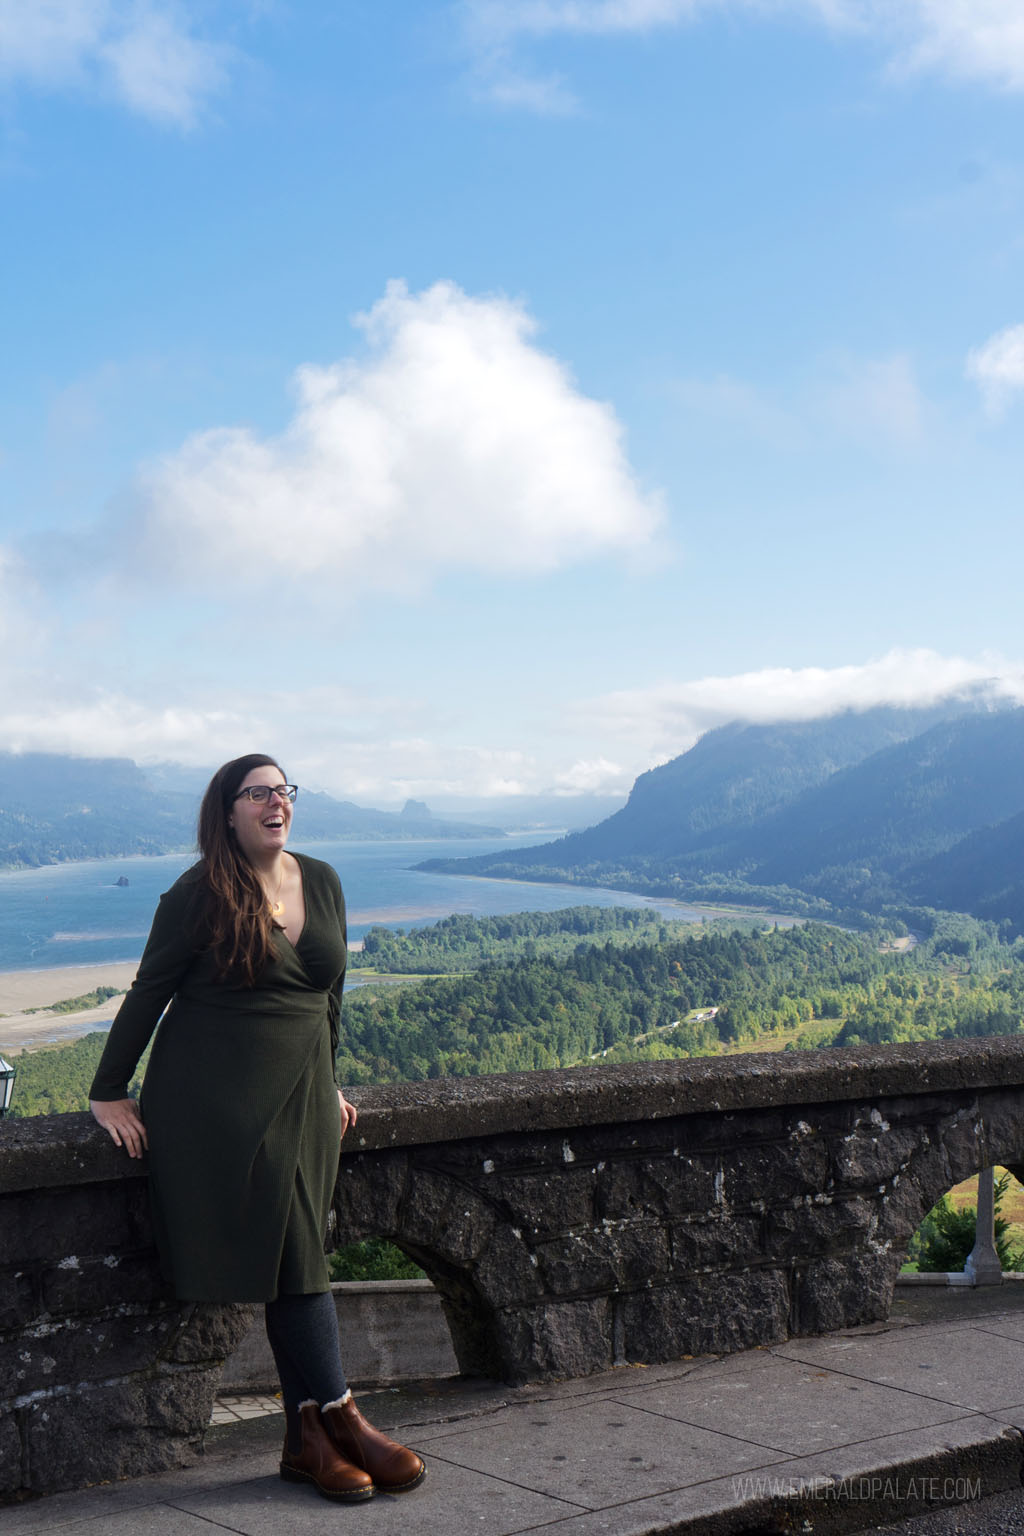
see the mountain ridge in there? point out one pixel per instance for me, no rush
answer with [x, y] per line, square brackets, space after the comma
[839, 813]
[57, 809]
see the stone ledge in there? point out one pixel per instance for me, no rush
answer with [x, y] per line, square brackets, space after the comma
[51, 1151]
[447, 1109]
[58, 1151]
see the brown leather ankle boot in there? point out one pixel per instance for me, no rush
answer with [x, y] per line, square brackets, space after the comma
[320, 1462]
[393, 1468]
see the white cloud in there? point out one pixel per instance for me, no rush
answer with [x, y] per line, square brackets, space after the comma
[998, 367]
[741, 406]
[401, 767]
[547, 95]
[492, 20]
[666, 719]
[879, 398]
[306, 728]
[141, 52]
[456, 443]
[8, 616]
[21, 632]
[962, 39]
[875, 401]
[965, 39]
[106, 723]
[592, 776]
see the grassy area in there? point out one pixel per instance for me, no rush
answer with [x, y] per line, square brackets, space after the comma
[802, 1035]
[86, 1000]
[367, 974]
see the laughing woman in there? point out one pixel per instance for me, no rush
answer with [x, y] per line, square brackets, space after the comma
[240, 1112]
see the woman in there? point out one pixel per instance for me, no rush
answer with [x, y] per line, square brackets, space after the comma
[240, 1112]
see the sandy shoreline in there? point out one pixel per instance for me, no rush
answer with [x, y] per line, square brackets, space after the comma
[21, 1031]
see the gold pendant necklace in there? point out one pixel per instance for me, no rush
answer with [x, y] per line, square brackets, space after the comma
[277, 905]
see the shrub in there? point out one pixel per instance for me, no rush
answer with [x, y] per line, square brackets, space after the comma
[945, 1238]
[373, 1259]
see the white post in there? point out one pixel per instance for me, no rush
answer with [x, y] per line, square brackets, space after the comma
[983, 1264]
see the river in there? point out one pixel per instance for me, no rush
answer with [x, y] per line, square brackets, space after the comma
[77, 914]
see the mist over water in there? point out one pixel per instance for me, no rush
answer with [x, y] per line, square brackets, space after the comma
[76, 914]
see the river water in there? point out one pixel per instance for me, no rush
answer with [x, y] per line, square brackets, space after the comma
[77, 914]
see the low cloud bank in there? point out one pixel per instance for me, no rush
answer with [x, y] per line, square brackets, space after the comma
[594, 747]
[669, 717]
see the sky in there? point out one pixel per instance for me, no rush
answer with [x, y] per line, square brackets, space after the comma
[483, 399]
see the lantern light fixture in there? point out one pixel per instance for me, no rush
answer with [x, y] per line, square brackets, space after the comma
[7, 1076]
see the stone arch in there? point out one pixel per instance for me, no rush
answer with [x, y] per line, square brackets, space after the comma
[959, 1144]
[457, 1235]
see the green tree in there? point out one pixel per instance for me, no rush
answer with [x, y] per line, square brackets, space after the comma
[945, 1238]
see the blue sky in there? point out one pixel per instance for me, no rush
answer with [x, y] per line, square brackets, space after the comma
[486, 398]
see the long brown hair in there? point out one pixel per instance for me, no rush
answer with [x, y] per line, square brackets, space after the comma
[238, 921]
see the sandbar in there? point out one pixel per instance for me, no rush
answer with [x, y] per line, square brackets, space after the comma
[21, 1031]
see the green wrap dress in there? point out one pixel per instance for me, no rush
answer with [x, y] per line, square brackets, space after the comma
[239, 1099]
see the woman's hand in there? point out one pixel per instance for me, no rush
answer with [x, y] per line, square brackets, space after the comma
[349, 1113]
[121, 1119]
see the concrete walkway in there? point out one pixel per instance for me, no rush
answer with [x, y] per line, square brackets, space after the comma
[838, 1433]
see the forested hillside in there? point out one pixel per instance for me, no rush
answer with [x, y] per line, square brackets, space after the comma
[691, 993]
[855, 839]
[59, 808]
[982, 874]
[865, 813]
[56, 1081]
[460, 943]
[664, 991]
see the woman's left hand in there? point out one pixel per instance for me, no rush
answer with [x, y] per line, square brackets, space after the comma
[349, 1113]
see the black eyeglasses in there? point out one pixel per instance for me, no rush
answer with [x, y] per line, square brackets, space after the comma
[259, 794]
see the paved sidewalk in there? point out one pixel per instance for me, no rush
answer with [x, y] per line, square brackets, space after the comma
[837, 1433]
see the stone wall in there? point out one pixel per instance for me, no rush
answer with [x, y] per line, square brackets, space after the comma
[575, 1220]
[102, 1373]
[570, 1220]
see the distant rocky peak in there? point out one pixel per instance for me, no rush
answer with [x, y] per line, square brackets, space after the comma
[416, 810]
